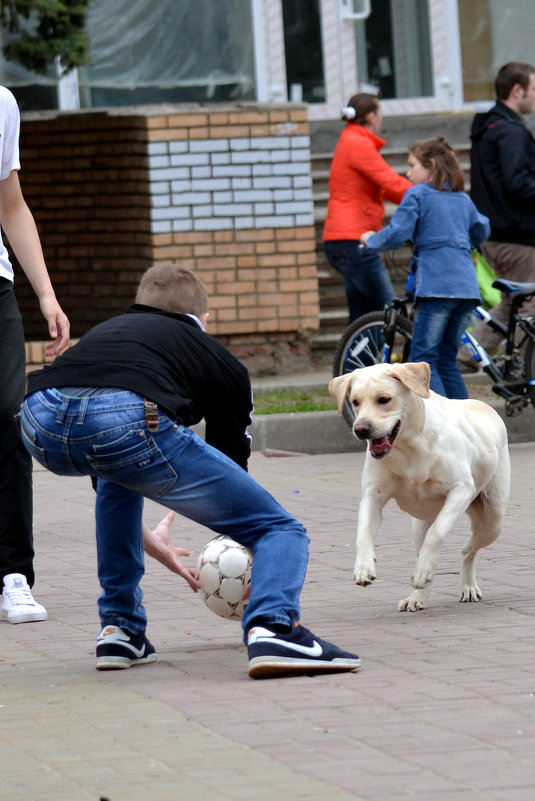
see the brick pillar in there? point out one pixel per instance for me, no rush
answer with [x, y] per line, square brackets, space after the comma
[225, 190]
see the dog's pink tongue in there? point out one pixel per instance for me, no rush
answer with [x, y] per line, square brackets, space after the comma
[380, 445]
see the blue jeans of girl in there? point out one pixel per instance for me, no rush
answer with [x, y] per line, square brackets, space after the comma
[366, 282]
[438, 327]
[106, 436]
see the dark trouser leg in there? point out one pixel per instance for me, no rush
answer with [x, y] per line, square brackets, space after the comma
[16, 540]
[366, 281]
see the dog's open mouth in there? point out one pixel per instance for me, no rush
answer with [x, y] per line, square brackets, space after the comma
[382, 446]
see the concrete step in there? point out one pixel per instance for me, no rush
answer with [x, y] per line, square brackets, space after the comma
[330, 281]
[333, 299]
[326, 341]
[333, 317]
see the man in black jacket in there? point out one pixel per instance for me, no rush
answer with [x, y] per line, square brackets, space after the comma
[503, 186]
[117, 406]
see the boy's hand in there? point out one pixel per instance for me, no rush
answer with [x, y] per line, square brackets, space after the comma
[157, 543]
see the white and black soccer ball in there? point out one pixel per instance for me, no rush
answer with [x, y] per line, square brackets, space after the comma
[224, 572]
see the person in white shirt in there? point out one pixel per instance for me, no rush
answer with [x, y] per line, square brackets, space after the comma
[18, 226]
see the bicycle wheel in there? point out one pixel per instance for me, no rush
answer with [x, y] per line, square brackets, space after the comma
[362, 344]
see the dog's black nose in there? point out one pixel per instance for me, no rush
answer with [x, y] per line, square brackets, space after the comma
[362, 430]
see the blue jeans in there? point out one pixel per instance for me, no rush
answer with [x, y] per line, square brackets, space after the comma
[366, 282]
[106, 436]
[438, 327]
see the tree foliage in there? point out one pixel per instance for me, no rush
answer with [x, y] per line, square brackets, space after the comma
[53, 28]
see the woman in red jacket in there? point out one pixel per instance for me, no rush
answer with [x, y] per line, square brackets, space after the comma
[359, 180]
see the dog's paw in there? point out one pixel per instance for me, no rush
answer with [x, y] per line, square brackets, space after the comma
[470, 594]
[364, 574]
[422, 576]
[413, 603]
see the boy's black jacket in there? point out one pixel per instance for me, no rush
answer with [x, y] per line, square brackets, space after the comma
[166, 358]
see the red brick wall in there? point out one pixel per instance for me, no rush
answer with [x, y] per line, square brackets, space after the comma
[84, 177]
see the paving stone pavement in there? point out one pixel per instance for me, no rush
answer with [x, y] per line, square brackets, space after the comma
[442, 709]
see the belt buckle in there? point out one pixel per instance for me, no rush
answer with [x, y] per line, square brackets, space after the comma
[151, 415]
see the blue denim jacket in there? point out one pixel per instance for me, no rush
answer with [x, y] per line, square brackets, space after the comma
[444, 227]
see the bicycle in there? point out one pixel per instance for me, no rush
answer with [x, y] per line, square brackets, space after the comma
[384, 337]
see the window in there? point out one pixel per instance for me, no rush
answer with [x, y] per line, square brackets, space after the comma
[493, 33]
[196, 51]
[304, 52]
[393, 49]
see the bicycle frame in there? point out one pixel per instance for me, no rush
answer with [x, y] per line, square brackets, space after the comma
[516, 393]
[398, 306]
[477, 351]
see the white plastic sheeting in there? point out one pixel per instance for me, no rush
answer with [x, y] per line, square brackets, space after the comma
[144, 51]
[170, 45]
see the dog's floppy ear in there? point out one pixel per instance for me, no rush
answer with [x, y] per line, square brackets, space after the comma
[413, 375]
[338, 389]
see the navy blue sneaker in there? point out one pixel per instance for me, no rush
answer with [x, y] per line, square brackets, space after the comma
[273, 654]
[117, 649]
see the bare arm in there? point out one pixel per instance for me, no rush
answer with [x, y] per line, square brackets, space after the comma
[19, 227]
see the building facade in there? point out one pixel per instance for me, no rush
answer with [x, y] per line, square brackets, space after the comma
[420, 56]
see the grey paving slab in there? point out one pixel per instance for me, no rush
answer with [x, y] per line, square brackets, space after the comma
[443, 708]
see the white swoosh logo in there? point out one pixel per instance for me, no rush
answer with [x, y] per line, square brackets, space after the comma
[309, 650]
[114, 638]
[137, 651]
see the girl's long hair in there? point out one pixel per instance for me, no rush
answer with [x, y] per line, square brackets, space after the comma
[437, 156]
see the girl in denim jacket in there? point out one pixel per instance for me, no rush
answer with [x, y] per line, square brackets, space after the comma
[443, 225]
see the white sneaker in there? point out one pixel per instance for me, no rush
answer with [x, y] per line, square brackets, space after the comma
[18, 603]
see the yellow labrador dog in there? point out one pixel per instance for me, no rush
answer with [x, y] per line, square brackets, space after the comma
[437, 458]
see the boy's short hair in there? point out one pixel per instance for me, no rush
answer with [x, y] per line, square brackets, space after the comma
[174, 289]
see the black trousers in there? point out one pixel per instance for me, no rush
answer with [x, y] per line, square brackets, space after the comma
[16, 512]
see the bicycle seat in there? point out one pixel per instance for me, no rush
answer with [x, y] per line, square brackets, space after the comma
[513, 288]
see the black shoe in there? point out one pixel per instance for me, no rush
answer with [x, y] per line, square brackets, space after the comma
[273, 654]
[117, 649]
